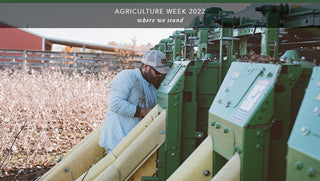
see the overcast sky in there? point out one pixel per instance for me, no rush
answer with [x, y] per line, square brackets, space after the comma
[105, 35]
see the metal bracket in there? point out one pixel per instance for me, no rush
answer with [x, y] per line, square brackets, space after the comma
[193, 134]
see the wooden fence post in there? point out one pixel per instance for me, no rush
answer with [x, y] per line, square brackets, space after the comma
[74, 62]
[24, 61]
[13, 62]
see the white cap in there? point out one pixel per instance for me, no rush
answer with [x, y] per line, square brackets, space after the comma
[157, 60]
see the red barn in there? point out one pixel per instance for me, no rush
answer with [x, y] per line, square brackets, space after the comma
[17, 39]
[12, 38]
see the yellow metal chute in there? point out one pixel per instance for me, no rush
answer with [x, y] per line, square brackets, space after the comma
[121, 147]
[88, 155]
[138, 152]
[198, 166]
[78, 160]
[230, 171]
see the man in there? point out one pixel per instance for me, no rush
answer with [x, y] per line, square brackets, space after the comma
[132, 94]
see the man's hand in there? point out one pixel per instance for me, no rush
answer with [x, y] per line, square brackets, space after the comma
[144, 112]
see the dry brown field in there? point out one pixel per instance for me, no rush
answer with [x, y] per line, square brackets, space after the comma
[52, 111]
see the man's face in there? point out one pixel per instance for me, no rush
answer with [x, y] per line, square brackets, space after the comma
[154, 76]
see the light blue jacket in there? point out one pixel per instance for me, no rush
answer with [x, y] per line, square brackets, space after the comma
[126, 91]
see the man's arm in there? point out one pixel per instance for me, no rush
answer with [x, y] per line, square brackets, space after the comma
[119, 91]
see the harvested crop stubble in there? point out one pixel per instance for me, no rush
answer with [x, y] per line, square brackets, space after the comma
[59, 111]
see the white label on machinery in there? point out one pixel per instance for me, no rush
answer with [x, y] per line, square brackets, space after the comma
[254, 95]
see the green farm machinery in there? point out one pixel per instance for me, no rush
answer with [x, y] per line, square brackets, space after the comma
[240, 102]
[240, 81]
